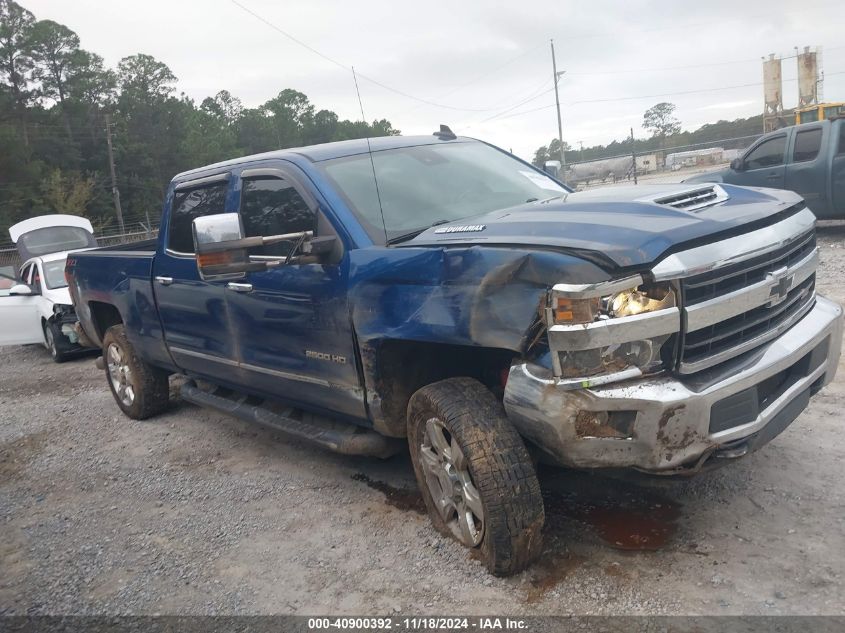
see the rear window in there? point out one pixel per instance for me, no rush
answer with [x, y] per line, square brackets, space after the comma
[191, 204]
[808, 143]
[55, 239]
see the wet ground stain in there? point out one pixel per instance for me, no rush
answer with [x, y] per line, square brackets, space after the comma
[623, 515]
[548, 572]
[401, 498]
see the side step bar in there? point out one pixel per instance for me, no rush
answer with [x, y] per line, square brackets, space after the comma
[344, 438]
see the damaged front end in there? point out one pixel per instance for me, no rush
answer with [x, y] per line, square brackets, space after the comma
[707, 356]
[67, 330]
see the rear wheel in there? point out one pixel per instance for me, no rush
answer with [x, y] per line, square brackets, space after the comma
[476, 476]
[139, 389]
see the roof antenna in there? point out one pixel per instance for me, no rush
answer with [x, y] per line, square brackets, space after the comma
[370, 153]
[445, 133]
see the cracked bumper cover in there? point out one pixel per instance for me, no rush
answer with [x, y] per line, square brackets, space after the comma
[669, 426]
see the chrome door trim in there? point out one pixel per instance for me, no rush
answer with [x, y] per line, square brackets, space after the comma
[263, 370]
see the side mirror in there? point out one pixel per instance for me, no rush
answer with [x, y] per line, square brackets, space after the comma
[20, 290]
[737, 164]
[222, 249]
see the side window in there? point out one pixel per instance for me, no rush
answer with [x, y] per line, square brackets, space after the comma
[26, 274]
[841, 149]
[767, 154]
[36, 279]
[272, 206]
[190, 204]
[808, 143]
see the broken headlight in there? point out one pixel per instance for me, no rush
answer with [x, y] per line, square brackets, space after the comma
[619, 327]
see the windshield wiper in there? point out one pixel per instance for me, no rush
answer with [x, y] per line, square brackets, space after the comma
[544, 200]
[413, 234]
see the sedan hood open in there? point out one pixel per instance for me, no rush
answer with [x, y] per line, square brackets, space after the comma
[623, 226]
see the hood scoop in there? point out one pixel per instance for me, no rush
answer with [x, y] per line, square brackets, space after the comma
[692, 199]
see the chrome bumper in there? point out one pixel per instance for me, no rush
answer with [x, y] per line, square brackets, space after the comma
[663, 424]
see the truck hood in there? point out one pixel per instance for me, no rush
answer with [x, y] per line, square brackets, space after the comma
[620, 226]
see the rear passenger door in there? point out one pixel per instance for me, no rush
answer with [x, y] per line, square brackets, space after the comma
[193, 312]
[806, 173]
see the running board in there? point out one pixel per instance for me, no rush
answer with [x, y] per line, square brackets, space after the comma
[344, 438]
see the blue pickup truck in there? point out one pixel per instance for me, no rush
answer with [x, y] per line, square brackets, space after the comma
[808, 159]
[438, 295]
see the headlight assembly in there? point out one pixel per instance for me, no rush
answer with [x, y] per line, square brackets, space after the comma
[612, 329]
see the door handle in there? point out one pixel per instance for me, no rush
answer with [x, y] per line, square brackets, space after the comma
[239, 287]
[164, 281]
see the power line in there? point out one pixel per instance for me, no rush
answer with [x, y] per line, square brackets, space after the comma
[633, 98]
[687, 67]
[479, 77]
[349, 68]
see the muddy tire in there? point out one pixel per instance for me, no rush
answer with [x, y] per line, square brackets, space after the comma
[139, 389]
[53, 341]
[475, 474]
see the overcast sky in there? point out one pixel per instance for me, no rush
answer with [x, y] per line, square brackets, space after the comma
[481, 59]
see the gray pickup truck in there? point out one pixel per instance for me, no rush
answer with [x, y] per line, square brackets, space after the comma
[808, 159]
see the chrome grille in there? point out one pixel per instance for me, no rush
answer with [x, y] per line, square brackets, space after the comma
[738, 307]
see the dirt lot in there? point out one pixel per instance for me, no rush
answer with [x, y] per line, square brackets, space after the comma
[194, 512]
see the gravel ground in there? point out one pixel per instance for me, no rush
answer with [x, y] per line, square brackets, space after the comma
[197, 513]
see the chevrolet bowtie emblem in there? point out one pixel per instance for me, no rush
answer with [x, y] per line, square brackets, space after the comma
[781, 284]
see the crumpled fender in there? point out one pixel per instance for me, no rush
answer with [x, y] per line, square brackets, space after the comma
[470, 296]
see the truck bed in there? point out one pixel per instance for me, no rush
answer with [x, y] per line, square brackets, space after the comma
[114, 283]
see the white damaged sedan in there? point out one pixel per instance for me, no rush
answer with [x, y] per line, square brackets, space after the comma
[38, 308]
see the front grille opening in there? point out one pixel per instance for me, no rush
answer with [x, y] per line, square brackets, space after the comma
[747, 326]
[722, 281]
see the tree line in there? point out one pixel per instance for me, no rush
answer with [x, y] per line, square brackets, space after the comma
[665, 133]
[55, 100]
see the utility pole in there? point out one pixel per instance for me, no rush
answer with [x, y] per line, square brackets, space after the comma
[557, 103]
[581, 143]
[114, 191]
[633, 156]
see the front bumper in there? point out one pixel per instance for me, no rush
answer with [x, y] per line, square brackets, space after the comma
[671, 424]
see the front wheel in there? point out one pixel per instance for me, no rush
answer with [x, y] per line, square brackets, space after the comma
[475, 474]
[139, 389]
[52, 336]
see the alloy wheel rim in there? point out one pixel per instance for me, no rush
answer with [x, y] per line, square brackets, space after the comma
[120, 375]
[51, 342]
[447, 476]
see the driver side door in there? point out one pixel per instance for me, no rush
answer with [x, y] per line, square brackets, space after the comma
[764, 165]
[19, 322]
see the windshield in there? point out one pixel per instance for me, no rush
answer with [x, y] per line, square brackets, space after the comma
[428, 184]
[54, 274]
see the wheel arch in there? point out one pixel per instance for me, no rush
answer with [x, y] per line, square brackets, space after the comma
[103, 316]
[394, 369]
